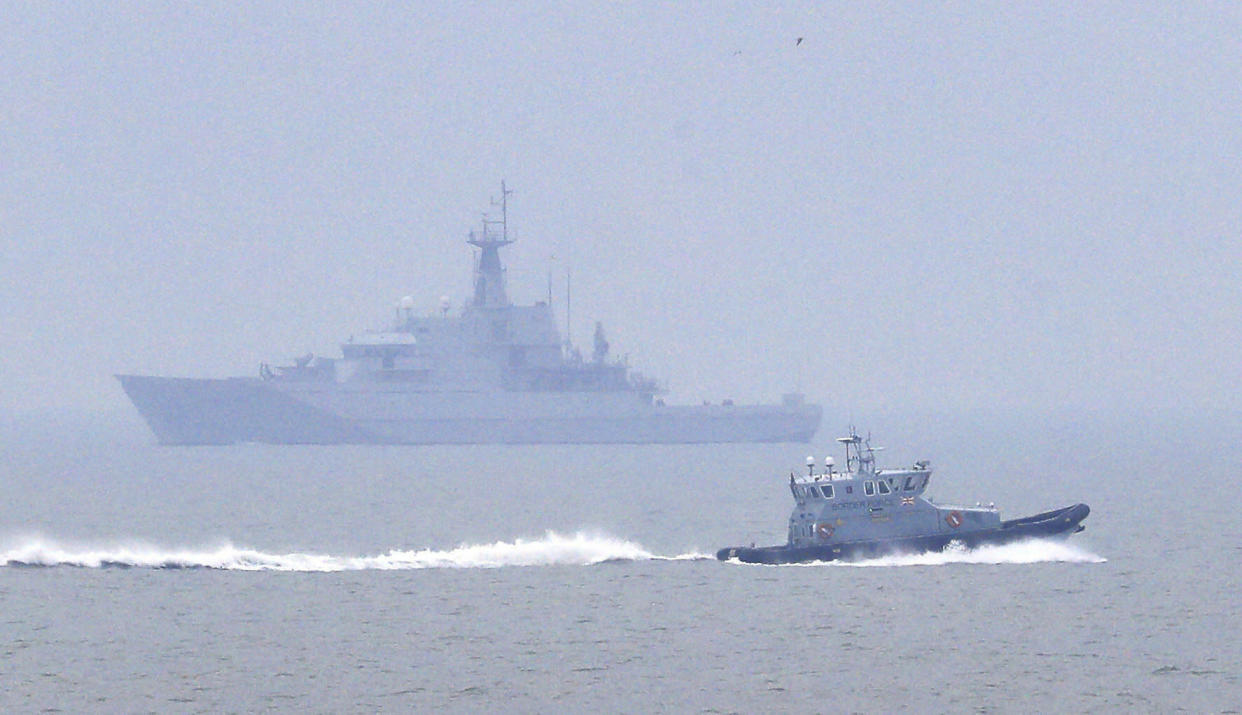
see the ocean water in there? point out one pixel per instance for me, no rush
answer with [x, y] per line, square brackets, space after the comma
[138, 578]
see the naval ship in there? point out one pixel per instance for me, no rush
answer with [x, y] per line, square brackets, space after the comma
[864, 512]
[492, 372]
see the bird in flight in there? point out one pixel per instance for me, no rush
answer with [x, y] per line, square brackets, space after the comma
[798, 42]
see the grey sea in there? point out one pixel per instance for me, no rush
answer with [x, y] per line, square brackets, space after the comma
[141, 578]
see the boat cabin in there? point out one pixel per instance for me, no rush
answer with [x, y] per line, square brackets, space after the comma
[862, 502]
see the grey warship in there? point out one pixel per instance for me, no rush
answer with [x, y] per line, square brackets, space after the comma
[863, 512]
[493, 372]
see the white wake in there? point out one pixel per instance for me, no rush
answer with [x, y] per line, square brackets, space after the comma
[552, 549]
[1019, 552]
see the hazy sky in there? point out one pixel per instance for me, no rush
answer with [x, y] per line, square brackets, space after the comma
[948, 205]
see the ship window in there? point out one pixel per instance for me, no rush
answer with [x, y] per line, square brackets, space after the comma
[910, 483]
[869, 488]
[814, 492]
[883, 487]
[827, 488]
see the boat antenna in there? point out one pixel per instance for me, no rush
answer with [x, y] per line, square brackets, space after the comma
[504, 210]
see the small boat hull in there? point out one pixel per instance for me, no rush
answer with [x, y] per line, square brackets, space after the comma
[1050, 524]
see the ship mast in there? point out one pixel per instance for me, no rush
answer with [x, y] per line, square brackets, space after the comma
[489, 272]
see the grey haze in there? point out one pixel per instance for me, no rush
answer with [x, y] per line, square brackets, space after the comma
[951, 206]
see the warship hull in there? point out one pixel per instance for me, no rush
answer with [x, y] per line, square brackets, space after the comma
[193, 411]
[1052, 524]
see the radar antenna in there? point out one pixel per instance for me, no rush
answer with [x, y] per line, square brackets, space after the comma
[504, 210]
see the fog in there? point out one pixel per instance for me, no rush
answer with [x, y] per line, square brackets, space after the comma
[962, 206]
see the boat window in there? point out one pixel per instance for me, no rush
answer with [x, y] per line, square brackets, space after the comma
[814, 492]
[883, 487]
[869, 488]
[910, 483]
[827, 489]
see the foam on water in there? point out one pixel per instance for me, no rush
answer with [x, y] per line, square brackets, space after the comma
[580, 549]
[1020, 552]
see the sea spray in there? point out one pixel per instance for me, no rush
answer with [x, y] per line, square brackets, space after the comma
[1019, 552]
[553, 549]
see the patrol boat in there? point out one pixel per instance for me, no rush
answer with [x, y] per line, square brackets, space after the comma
[491, 372]
[864, 512]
